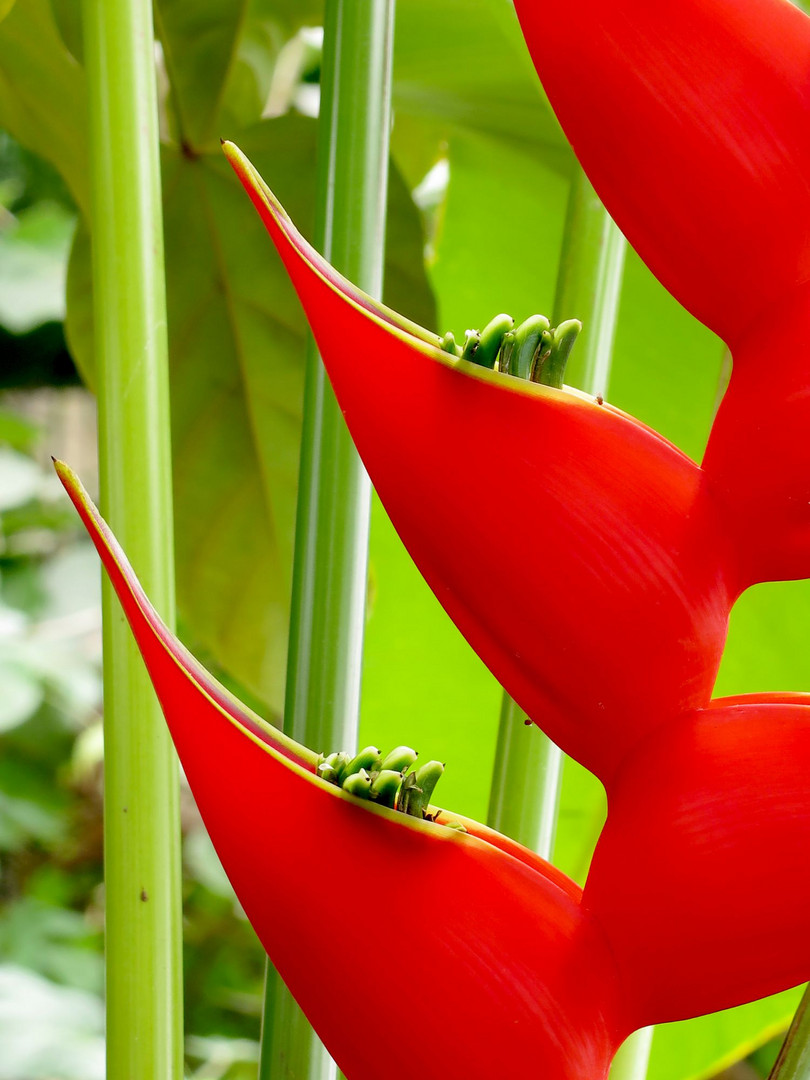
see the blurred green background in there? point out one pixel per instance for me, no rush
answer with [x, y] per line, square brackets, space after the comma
[477, 198]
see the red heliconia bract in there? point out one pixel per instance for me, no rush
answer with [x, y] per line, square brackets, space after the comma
[606, 613]
[701, 879]
[690, 117]
[401, 939]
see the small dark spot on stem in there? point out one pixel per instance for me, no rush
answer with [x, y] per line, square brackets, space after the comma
[144, 895]
[600, 400]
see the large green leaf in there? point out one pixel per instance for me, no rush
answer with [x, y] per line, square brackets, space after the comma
[236, 335]
[42, 98]
[700, 1048]
[463, 65]
[200, 41]
[220, 56]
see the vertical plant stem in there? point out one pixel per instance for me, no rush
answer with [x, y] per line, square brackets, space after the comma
[141, 818]
[793, 1062]
[331, 553]
[527, 776]
[633, 1058]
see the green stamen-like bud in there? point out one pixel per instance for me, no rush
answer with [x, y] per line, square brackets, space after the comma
[367, 758]
[521, 347]
[472, 339]
[399, 759]
[331, 768]
[491, 339]
[448, 344]
[385, 787]
[384, 780]
[358, 784]
[563, 337]
[417, 788]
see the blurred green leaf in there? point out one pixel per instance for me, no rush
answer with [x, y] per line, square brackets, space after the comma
[236, 338]
[200, 39]
[21, 696]
[48, 1030]
[54, 942]
[220, 56]
[20, 478]
[462, 65]
[42, 99]
[222, 1059]
[703, 1047]
[68, 17]
[33, 266]
[16, 431]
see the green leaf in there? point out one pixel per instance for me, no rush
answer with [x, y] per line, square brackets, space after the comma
[22, 695]
[700, 1048]
[220, 56]
[42, 95]
[236, 339]
[69, 1046]
[33, 266]
[464, 65]
[200, 39]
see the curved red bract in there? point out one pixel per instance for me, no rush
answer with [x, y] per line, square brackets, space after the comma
[625, 563]
[690, 118]
[700, 878]
[467, 951]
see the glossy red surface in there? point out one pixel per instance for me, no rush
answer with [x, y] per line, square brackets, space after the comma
[690, 118]
[701, 879]
[625, 566]
[473, 958]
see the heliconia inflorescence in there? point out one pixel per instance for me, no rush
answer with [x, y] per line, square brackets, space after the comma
[501, 963]
[691, 121]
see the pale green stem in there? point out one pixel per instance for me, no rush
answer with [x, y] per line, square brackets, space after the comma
[633, 1058]
[527, 777]
[141, 819]
[330, 571]
[793, 1062]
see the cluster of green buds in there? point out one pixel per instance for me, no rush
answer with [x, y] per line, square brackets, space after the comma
[534, 350]
[385, 780]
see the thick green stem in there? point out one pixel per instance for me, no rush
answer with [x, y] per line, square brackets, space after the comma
[633, 1058]
[330, 572]
[528, 767]
[141, 819]
[589, 285]
[793, 1062]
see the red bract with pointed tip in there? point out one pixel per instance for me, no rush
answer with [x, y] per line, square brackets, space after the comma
[624, 565]
[462, 951]
[691, 120]
[701, 877]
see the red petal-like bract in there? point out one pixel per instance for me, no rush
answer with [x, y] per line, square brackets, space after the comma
[401, 939]
[614, 587]
[691, 118]
[701, 877]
